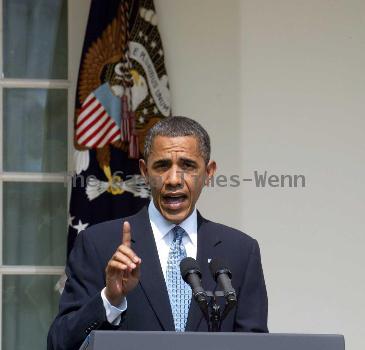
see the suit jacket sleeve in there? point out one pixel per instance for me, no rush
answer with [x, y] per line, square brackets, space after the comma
[81, 306]
[252, 306]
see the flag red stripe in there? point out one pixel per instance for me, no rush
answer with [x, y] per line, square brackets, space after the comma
[87, 104]
[95, 132]
[88, 115]
[100, 116]
[84, 107]
[111, 138]
[105, 133]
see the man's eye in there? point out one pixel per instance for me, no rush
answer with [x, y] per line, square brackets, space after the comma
[161, 166]
[188, 166]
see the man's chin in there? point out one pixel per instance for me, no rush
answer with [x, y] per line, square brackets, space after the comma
[175, 216]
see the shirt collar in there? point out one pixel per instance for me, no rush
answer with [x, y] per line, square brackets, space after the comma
[161, 227]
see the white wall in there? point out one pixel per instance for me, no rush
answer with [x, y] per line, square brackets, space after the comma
[280, 87]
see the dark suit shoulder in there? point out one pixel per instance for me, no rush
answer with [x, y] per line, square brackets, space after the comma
[229, 232]
[107, 229]
[95, 232]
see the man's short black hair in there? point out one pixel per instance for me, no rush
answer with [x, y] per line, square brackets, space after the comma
[176, 127]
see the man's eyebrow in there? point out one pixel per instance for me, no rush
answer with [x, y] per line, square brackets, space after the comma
[188, 160]
[160, 162]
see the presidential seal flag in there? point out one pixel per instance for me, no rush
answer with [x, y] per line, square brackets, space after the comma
[122, 91]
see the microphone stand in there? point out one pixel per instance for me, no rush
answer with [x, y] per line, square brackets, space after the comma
[216, 317]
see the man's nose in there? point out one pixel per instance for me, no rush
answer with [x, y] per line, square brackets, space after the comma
[175, 177]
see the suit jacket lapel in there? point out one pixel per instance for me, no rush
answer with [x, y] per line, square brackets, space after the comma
[207, 241]
[152, 280]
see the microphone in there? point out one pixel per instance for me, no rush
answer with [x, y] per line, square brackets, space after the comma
[192, 276]
[222, 276]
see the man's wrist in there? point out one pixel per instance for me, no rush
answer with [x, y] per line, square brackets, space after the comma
[113, 313]
[113, 300]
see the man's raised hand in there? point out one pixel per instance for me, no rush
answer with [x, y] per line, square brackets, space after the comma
[123, 269]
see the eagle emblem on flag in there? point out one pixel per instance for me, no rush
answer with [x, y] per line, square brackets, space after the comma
[122, 92]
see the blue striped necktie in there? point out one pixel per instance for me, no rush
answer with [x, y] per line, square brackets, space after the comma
[179, 291]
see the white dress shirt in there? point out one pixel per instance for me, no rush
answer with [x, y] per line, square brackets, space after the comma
[161, 229]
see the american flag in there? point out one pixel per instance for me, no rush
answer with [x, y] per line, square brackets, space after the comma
[95, 127]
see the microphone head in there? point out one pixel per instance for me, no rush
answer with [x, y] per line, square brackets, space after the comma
[188, 266]
[217, 267]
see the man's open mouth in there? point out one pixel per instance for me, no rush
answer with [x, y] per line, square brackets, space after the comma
[174, 199]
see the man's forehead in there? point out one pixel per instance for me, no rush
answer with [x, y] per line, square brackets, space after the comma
[175, 146]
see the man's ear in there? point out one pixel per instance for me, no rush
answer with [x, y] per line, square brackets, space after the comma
[143, 169]
[210, 171]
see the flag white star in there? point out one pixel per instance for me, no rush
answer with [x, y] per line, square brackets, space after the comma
[140, 34]
[151, 100]
[155, 110]
[80, 226]
[145, 38]
[153, 44]
[145, 111]
[141, 119]
[160, 52]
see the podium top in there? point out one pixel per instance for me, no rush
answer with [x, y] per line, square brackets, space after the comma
[121, 340]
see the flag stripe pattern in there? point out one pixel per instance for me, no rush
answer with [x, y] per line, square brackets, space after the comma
[94, 126]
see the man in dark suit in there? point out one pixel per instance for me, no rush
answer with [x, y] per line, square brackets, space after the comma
[122, 274]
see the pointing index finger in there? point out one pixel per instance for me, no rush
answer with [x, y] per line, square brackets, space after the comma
[126, 234]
